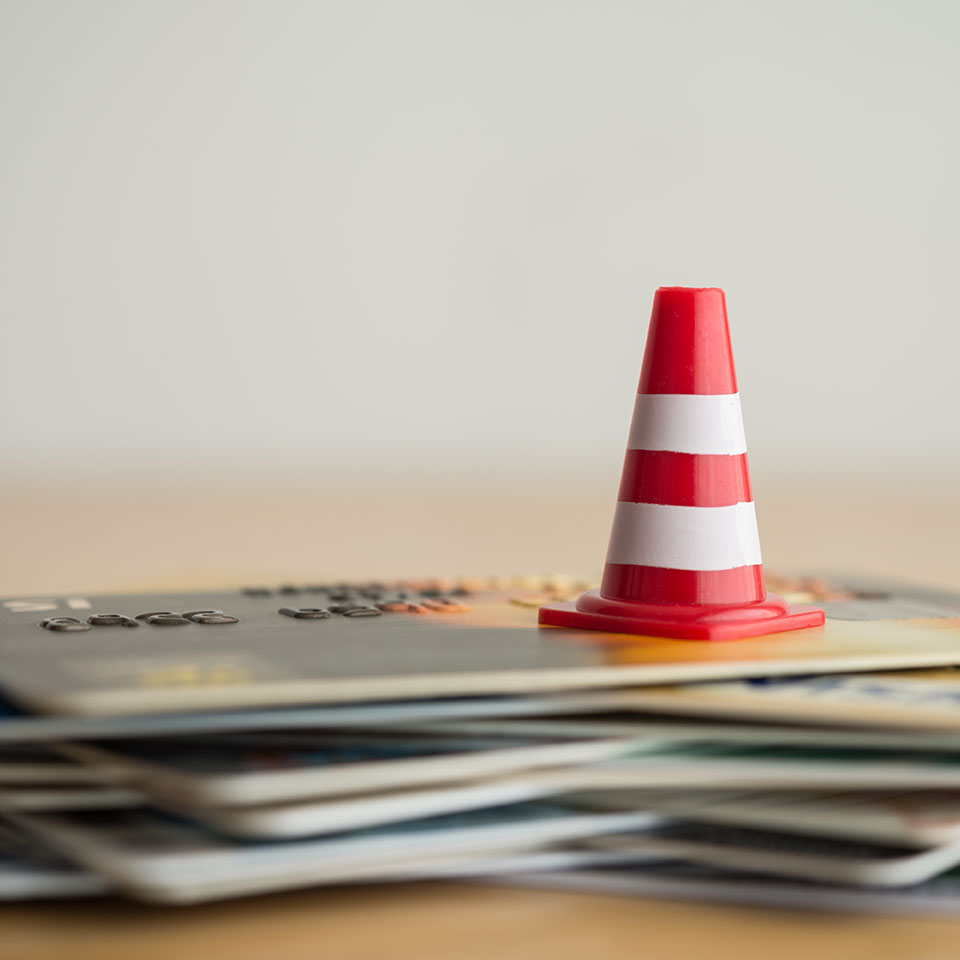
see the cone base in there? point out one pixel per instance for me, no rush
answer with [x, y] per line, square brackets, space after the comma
[682, 621]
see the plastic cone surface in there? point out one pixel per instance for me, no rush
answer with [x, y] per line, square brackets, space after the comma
[684, 555]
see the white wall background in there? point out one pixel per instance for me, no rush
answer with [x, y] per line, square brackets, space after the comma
[317, 235]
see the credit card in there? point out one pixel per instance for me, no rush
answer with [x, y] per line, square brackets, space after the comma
[260, 769]
[167, 860]
[28, 764]
[693, 882]
[921, 818]
[168, 653]
[914, 700]
[309, 818]
[17, 727]
[68, 797]
[710, 765]
[819, 860]
[25, 879]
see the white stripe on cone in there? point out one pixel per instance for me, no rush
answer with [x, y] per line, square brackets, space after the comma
[684, 538]
[688, 423]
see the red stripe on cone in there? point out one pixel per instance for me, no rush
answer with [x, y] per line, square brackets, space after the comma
[684, 479]
[625, 581]
[688, 343]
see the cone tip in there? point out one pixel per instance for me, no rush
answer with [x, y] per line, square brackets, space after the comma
[702, 300]
[690, 290]
[688, 343]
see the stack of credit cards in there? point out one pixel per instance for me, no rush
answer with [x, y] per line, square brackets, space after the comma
[182, 748]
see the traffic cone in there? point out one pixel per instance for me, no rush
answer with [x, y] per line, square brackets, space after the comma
[684, 555]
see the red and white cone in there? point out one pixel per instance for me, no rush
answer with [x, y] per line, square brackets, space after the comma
[684, 555]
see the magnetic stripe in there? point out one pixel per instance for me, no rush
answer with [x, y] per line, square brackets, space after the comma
[684, 479]
[688, 423]
[684, 538]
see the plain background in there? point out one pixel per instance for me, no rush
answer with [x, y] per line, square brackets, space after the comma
[383, 245]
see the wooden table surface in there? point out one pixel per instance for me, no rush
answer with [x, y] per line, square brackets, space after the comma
[93, 539]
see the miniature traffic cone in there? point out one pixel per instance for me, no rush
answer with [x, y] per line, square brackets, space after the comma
[684, 554]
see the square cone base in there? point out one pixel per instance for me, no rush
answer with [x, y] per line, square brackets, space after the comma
[697, 623]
